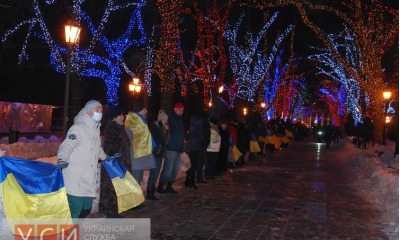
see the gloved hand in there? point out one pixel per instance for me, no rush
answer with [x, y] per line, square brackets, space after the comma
[118, 155]
[62, 164]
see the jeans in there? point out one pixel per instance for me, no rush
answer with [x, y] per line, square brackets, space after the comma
[172, 164]
[154, 172]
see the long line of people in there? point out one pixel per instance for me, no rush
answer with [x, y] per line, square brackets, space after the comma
[143, 142]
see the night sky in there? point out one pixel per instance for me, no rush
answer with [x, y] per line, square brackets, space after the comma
[36, 81]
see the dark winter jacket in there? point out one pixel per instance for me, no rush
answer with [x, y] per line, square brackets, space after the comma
[158, 136]
[243, 143]
[176, 133]
[115, 141]
[195, 134]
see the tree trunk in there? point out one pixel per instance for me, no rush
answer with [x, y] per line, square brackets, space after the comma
[379, 123]
[167, 101]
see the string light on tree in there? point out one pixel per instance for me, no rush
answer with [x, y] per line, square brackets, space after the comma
[375, 29]
[86, 62]
[249, 67]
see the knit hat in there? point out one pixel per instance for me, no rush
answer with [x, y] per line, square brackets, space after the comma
[178, 106]
[92, 104]
[162, 115]
[114, 112]
[139, 106]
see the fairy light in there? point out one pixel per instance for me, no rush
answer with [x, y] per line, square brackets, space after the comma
[149, 63]
[248, 64]
[165, 61]
[328, 66]
[284, 88]
[107, 65]
[209, 62]
[375, 29]
[330, 97]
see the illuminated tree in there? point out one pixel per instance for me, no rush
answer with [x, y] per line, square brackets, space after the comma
[375, 28]
[249, 64]
[166, 54]
[328, 66]
[106, 63]
[284, 92]
[209, 62]
[332, 94]
[284, 89]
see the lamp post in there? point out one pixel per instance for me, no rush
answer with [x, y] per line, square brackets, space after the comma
[386, 96]
[135, 87]
[71, 36]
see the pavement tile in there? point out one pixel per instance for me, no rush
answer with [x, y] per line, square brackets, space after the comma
[290, 194]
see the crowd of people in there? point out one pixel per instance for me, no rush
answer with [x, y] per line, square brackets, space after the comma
[142, 141]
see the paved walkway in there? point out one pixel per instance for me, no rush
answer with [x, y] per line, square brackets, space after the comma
[297, 193]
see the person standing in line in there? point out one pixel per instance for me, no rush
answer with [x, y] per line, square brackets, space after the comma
[159, 130]
[174, 149]
[205, 141]
[243, 142]
[78, 157]
[212, 150]
[195, 151]
[116, 142]
[142, 143]
[232, 129]
[222, 164]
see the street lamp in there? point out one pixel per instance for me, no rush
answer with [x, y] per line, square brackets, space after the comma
[263, 104]
[135, 87]
[220, 89]
[386, 96]
[71, 36]
[244, 111]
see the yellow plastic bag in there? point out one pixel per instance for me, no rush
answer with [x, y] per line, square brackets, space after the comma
[236, 153]
[254, 147]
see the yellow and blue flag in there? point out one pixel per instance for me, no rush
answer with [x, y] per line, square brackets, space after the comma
[32, 190]
[128, 191]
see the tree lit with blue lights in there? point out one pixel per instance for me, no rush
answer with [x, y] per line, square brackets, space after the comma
[108, 63]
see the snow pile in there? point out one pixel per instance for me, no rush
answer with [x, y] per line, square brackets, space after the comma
[375, 177]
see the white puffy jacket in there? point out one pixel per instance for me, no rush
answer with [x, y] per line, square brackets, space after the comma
[82, 150]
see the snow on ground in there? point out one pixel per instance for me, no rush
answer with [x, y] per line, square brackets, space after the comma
[375, 177]
[374, 172]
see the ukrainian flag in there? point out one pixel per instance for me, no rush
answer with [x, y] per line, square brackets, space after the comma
[32, 190]
[129, 192]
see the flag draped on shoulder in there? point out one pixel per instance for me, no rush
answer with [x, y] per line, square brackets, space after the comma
[32, 190]
[128, 191]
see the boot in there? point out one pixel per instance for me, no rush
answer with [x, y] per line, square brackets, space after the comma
[169, 188]
[150, 194]
[190, 180]
[160, 189]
